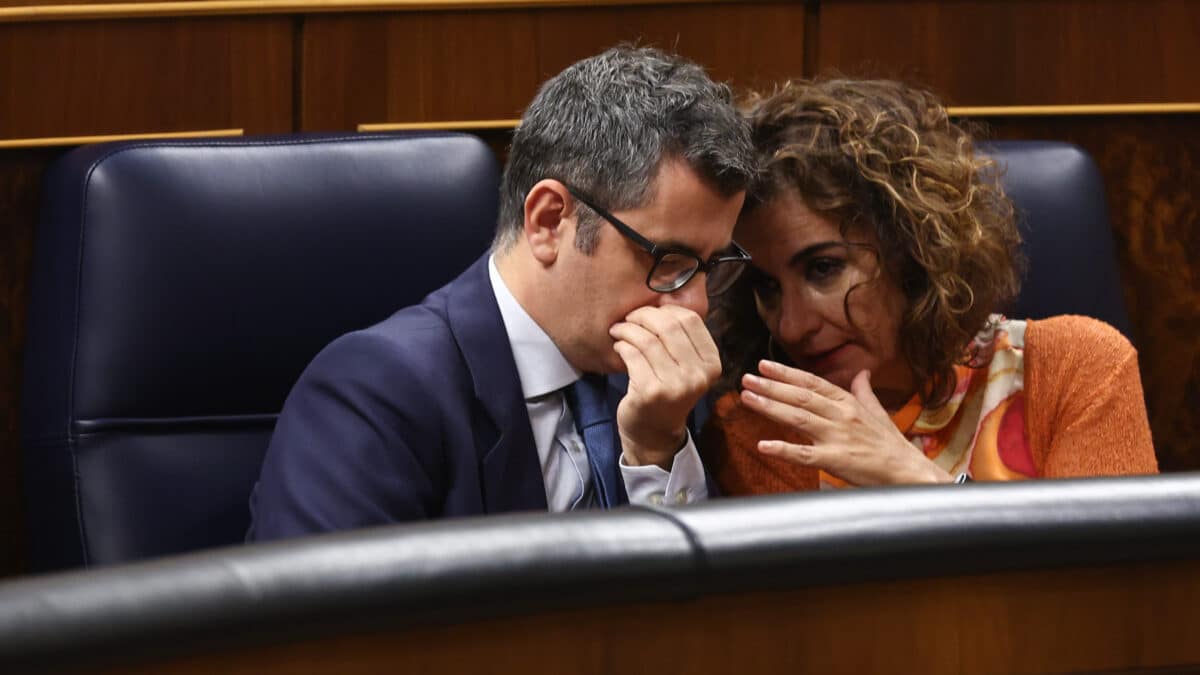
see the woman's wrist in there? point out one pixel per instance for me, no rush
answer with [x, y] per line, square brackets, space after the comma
[928, 472]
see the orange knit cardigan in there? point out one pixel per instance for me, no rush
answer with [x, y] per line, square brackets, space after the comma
[1085, 415]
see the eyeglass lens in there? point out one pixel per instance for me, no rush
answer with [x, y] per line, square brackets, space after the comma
[674, 270]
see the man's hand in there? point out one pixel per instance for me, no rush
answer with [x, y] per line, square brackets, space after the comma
[672, 361]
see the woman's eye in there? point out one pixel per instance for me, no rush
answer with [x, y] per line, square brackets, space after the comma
[764, 286]
[823, 269]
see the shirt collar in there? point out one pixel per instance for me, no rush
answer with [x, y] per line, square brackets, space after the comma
[540, 365]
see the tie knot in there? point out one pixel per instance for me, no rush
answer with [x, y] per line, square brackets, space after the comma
[588, 398]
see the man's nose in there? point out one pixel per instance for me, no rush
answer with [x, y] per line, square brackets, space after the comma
[693, 295]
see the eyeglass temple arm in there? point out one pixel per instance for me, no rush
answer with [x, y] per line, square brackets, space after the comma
[616, 222]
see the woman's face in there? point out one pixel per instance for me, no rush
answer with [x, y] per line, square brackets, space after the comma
[803, 268]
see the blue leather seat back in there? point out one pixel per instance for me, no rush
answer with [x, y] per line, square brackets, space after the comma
[179, 290]
[1068, 240]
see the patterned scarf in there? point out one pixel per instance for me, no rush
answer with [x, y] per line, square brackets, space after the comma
[981, 429]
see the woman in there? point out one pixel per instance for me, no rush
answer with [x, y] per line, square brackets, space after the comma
[861, 348]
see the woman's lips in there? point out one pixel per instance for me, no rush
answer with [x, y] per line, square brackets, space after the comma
[826, 360]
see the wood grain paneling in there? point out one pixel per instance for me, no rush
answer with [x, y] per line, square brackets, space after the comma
[415, 66]
[101, 78]
[19, 4]
[429, 66]
[45, 3]
[1151, 167]
[746, 44]
[1110, 619]
[1008, 52]
[88, 78]
[48, 10]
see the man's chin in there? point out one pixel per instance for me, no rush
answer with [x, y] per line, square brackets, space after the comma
[601, 363]
[614, 365]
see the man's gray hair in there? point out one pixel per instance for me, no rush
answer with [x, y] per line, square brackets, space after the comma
[605, 124]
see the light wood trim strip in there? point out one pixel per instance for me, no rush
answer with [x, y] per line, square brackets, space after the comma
[463, 125]
[481, 125]
[1089, 109]
[955, 111]
[230, 7]
[84, 140]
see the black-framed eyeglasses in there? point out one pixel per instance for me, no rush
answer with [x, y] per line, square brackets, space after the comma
[674, 267]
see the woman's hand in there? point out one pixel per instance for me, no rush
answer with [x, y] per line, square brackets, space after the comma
[852, 436]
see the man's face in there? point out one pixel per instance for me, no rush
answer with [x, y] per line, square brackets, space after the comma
[599, 290]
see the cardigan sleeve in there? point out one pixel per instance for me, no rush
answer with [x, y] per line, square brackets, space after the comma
[1086, 411]
[729, 447]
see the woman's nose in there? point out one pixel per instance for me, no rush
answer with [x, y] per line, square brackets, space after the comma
[798, 318]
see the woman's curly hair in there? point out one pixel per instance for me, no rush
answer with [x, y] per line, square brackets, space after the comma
[883, 155]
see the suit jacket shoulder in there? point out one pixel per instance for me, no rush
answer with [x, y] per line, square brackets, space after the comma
[411, 418]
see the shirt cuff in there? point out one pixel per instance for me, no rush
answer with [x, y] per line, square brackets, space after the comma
[654, 486]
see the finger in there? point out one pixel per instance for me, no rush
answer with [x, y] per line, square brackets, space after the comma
[667, 327]
[636, 366]
[788, 415]
[811, 456]
[804, 455]
[648, 388]
[795, 396]
[670, 325]
[648, 344]
[860, 387]
[801, 378]
[701, 337]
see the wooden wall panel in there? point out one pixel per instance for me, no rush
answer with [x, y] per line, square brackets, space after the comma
[1008, 52]
[1151, 167]
[82, 78]
[21, 4]
[445, 66]
[67, 79]
[415, 66]
[746, 44]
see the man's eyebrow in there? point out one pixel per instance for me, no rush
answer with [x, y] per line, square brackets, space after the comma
[676, 245]
[808, 251]
[723, 249]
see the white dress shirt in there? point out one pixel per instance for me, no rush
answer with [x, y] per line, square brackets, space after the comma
[544, 372]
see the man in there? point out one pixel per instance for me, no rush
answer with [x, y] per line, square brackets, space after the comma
[616, 212]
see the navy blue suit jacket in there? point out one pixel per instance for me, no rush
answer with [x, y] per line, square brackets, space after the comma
[419, 416]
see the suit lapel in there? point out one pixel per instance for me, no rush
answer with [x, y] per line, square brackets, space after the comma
[510, 471]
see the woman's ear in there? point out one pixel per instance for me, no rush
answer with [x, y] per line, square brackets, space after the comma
[549, 220]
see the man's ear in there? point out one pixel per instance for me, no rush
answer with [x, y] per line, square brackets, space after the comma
[549, 219]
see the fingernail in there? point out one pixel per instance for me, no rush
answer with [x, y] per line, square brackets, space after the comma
[750, 396]
[767, 447]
